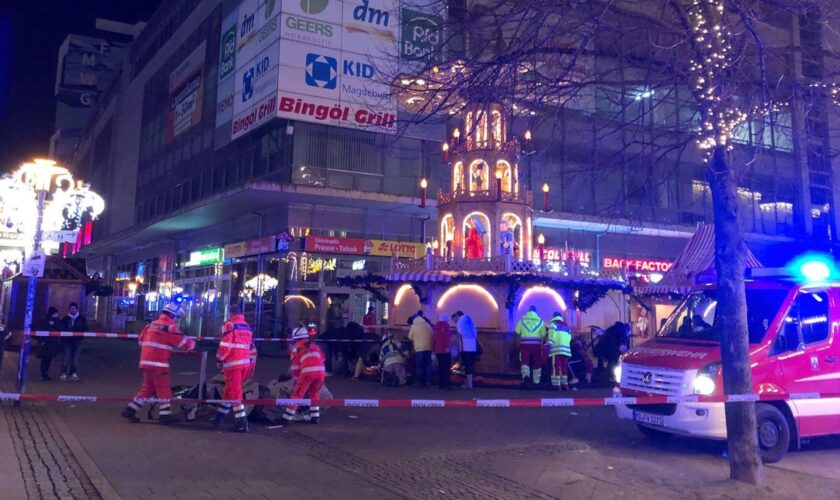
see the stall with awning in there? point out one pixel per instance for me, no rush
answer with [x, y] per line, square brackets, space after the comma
[696, 259]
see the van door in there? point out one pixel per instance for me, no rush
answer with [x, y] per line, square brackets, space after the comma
[807, 359]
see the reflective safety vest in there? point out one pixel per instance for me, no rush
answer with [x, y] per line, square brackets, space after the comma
[559, 338]
[531, 329]
[157, 341]
[307, 357]
[390, 354]
[236, 347]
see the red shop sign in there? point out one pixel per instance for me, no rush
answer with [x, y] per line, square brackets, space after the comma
[639, 265]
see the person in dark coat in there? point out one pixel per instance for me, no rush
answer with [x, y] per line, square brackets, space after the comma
[73, 322]
[612, 343]
[49, 347]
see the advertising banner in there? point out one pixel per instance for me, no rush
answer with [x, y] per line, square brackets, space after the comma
[250, 247]
[257, 73]
[357, 246]
[186, 86]
[227, 71]
[421, 36]
[335, 58]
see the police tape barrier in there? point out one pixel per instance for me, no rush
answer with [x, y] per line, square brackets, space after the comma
[135, 336]
[439, 403]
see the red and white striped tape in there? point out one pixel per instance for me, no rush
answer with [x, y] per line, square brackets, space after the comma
[134, 336]
[443, 403]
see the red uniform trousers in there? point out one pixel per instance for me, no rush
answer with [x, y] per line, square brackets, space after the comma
[560, 370]
[155, 385]
[307, 386]
[233, 390]
[531, 355]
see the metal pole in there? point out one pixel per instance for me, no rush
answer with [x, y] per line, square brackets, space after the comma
[30, 300]
[260, 289]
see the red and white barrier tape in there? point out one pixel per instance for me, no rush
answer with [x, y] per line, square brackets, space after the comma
[134, 336]
[442, 403]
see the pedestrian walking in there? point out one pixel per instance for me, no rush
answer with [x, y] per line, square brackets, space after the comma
[420, 335]
[560, 351]
[73, 322]
[308, 372]
[235, 356]
[48, 347]
[157, 341]
[442, 347]
[531, 333]
[468, 339]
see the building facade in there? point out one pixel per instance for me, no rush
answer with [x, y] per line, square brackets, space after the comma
[212, 202]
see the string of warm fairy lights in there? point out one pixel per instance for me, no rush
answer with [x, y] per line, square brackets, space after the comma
[714, 59]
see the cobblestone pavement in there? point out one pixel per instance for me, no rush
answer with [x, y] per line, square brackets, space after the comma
[364, 453]
[48, 466]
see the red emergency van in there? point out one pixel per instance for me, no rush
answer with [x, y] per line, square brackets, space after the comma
[794, 336]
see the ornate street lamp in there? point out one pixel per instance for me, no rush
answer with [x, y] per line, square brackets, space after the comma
[46, 193]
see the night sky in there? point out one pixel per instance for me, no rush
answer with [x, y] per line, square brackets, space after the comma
[30, 33]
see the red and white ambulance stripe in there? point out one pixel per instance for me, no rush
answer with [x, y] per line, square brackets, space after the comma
[442, 403]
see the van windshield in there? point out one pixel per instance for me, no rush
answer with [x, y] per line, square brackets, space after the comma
[694, 317]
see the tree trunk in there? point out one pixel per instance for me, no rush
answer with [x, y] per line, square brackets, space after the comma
[731, 316]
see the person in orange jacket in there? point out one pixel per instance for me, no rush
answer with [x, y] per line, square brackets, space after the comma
[308, 371]
[234, 357]
[157, 341]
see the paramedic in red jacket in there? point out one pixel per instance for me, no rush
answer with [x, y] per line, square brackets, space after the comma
[157, 341]
[307, 371]
[234, 357]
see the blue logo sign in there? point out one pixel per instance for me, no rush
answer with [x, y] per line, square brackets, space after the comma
[321, 71]
[357, 69]
[248, 85]
[256, 71]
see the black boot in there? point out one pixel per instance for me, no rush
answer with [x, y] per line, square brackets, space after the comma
[168, 419]
[241, 424]
[218, 421]
[130, 414]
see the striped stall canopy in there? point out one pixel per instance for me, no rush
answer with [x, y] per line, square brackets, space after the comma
[426, 276]
[698, 257]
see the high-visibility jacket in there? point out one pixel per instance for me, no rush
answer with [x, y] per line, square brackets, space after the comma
[559, 338]
[236, 347]
[157, 341]
[391, 353]
[531, 329]
[307, 357]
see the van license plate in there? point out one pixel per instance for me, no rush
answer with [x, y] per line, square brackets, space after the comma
[647, 418]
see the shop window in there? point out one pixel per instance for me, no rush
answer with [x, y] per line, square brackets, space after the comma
[806, 323]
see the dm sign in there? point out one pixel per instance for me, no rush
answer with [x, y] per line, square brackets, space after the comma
[422, 36]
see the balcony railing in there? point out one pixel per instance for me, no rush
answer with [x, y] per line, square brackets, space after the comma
[524, 196]
[504, 264]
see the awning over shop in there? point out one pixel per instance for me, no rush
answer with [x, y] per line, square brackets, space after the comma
[698, 257]
[426, 276]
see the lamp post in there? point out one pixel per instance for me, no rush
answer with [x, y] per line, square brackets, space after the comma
[33, 184]
[545, 190]
[445, 148]
[541, 247]
[423, 185]
[456, 136]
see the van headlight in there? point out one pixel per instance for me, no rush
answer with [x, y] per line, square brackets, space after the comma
[617, 373]
[704, 385]
[704, 382]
